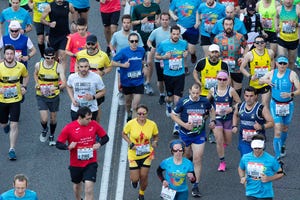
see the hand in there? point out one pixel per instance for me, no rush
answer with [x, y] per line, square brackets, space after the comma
[23, 90]
[126, 65]
[212, 125]
[264, 178]
[234, 130]
[72, 145]
[96, 146]
[191, 177]
[243, 180]
[285, 94]
[52, 24]
[165, 183]
[185, 54]
[75, 103]
[167, 56]
[188, 126]
[175, 18]
[257, 126]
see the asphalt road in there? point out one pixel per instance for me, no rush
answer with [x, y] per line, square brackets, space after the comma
[47, 167]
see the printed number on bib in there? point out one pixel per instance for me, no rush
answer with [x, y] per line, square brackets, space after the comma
[221, 108]
[134, 74]
[210, 82]
[85, 153]
[46, 89]
[282, 109]
[248, 134]
[147, 27]
[167, 193]
[255, 170]
[142, 149]
[175, 64]
[10, 92]
[260, 71]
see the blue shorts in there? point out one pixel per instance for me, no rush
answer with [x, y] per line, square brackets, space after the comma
[191, 35]
[193, 138]
[244, 147]
[286, 120]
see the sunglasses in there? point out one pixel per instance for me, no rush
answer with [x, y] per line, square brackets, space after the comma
[260, 42]
[282, 63]
[133, 41]
[83, 66]
[90, 43]
[14, 31]
[49, 58]
[222, 79]
[177, 150]
[141, 113]
[257, 148]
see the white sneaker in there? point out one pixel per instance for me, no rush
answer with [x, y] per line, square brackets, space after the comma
[121, 99]
[43, 135]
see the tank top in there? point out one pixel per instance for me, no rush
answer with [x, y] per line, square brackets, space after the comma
[268, 16]
[47, 78]
[288, 24]
[38, 9]
[60, 14]
[282, 84]
[221, 103]
[259, 66]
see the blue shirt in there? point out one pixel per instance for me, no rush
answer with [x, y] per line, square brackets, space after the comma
[20, 15]
[133, 75]
[175, 65]
[176, 174]
[186, 11]
[120, 41]
[210, 16]
[282, 84]
[158, 35]
[254, 167]
[238, 26]
[10, 195]
[80, 3]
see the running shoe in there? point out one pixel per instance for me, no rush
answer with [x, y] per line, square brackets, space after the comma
[168, 109]
[141, 197]
[43, 135]
[211, 137]
[193, 58]
[7, 128]
[121, 99]
[108, 51]
[186, 71]
[297, 63]
[176, 130]
[134, 184]
[283, 151]
[196, 192]
[12, 155]
[161, 100]
[222, 166]
[52, 142]
[148, 89]
[129, 116]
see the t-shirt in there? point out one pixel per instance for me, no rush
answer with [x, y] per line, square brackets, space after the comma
[85, 136]
[120, 41]
[80, 3]
[110, 6]
[238, 26]
[159, 35]
[85, 85]
[141, 137]
[98, 61]
[10, 195]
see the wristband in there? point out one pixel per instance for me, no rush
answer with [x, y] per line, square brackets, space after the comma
[214, 121]
[131, 145]
[234, 126]
[24, 87]
[292, 94]
[94, 97]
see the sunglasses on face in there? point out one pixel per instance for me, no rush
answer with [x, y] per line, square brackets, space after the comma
[222, 79]
[141, 114]
[49, 57]
[90, 43]
[260, 42]
[14, 31]
[177, 150]
[133, 41]
[282, 63]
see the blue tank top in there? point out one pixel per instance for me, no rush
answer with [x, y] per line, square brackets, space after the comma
[221, 103]
[282, 84]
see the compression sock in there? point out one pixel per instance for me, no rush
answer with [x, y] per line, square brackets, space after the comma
[277, 147]
[44, 125]
[239, 91]
[283, 137]
[42, 49]
[141, 192]
[52, 128]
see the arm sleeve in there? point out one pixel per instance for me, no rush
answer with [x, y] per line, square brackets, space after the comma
[61, 146]
[159, 173]
[104, 140]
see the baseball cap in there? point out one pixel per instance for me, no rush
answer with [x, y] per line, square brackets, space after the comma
[49, 51]
[214, 47]
[251, 7]
[92, 39]
[222, 74]
[257, 144]
[282, 59]
[14, 24]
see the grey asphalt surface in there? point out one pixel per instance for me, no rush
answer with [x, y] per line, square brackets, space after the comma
[47, 167]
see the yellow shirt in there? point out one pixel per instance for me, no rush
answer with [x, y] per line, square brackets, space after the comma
[38, 9]
[97, 61]
[141, 137]
[10, 82]
[259, 66]
[209, 76]
[47, 79]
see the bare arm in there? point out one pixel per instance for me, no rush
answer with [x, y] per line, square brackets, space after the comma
[248, 57]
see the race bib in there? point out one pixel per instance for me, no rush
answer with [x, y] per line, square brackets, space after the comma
[134, 74]
[248, 134]
[46, 89]
[85, 153]
[167, 193]
[288, 27]
[255, 170]
[230, 62]
[267, 23]
[260, 71]
[10, 92]
[221, 108]
[210, 82]
[282, 109]
[175, 64]
[147, 27]
[82, 101]
[142, 149]
[41, 7]
[208, 26]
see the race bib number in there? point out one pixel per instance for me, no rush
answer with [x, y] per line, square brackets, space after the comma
[46, 89]
[134, 74]
[267, 23]
[228, 3]
[147, 27]
[10, 92]
[85, 153]
[230, 62]
[248, 134]
[82, 101]
[208, 26]
[282, 109]
[210, 82]
[221, 108]
[167, 193]
[255, 170]
[288, 27]
[260, 71]
[175, 64]
[197, 121]
[41, 7]
[142, 149]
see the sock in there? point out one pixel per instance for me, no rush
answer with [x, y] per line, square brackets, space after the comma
[141, 192]
[222, 159]
[162, 94]
[42, 49]
[239, 91]
[52, 128]
[195, 185]
[283, 137]
[277, 147]
[44, 125]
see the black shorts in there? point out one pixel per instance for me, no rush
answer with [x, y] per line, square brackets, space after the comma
[74, 115]
[100, 100]
[263, 90]
[58, 42]
[133, 90]
[82, 10]
[87, 173]
[205, 41]
[41, 29]
[191, 35]
[10, 111]
[174, 85]
[272, 37]
[51, 104]
[110, 18]
[288, 45]
[237, 77]
[144, 162]
[159, 72]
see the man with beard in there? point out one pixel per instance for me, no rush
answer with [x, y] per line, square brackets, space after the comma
[84, 88]
[11, 93]
[98, 60]
[172, 52]
[231, 43]
[58, 13]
